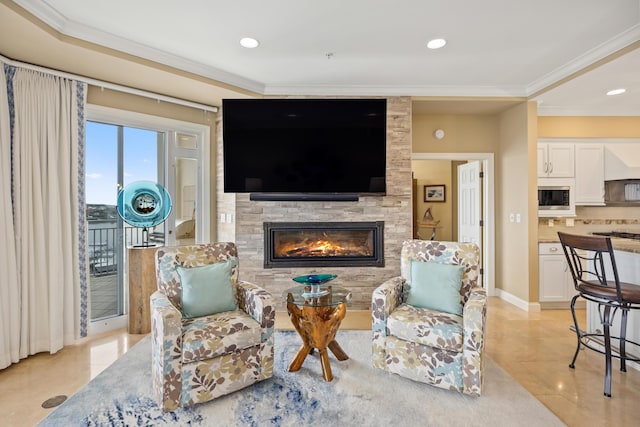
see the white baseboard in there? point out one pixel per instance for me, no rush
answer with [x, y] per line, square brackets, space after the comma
[518, 302]
[535, 306]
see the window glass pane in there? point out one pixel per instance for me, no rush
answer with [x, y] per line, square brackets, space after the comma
[101, 187]
[185, 203]
[140, 155]
[100, 164]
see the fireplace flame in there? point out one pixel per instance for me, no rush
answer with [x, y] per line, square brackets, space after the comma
[321, 247]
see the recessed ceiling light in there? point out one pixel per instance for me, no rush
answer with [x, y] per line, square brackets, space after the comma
[249, 42]
[436, 43]
[616, 91]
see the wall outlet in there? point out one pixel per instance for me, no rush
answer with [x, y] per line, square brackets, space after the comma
[223, 218]
[518, 218]
[570, 222]
[550, 223]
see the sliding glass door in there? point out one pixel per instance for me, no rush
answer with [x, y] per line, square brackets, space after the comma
[121, 148]
[116, 155]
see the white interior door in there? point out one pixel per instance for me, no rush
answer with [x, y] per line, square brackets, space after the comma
[470, 204]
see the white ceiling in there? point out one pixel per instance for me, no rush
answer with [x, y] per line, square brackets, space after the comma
[496, 48]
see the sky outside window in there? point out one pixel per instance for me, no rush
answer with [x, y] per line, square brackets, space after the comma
[140, 160]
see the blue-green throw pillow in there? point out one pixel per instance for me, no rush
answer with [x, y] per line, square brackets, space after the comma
[436, 286]
[207, 289]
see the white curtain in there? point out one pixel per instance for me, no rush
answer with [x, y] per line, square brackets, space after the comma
[47, 208]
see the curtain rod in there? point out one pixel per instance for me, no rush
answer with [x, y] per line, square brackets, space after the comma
[112, 86]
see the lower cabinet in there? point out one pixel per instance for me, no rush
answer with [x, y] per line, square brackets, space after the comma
[555, 281]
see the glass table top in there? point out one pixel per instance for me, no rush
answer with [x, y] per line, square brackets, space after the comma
[303, 295]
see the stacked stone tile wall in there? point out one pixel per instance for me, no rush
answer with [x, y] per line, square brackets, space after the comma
[394, 209]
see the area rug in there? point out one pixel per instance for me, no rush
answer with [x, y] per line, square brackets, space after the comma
[358, 396]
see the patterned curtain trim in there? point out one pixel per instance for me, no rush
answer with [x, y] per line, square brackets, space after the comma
[10, 73]
[82, 223]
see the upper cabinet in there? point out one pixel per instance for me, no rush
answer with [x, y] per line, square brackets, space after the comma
[589, 174]
[591, 162]
[555, 160]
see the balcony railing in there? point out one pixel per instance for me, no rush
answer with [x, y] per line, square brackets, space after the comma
[104, 244]
[105, 261]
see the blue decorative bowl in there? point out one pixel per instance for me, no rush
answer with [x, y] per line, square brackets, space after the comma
[144, 204]
[314, 281]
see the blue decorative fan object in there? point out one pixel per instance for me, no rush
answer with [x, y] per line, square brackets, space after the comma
[144, 204]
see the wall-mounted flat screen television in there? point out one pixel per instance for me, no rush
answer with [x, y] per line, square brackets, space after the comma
[304, 146]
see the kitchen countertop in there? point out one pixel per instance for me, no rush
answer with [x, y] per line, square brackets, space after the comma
[548, 240]
[626, 245]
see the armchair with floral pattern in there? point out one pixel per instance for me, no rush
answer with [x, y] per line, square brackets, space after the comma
[198, 359]
[437, 348]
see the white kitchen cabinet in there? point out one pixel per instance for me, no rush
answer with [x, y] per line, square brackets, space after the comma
[589, 170]
[555, 160]
[555, 281]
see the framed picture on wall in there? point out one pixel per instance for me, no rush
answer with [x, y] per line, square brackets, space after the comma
[434, 193]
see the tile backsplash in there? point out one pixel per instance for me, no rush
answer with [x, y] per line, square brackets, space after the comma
[591, 218]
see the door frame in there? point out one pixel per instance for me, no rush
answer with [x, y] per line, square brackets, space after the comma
[488, 211]
[162, 124]
[127, 118]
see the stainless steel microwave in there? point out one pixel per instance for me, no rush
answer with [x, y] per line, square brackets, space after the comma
[554, 198]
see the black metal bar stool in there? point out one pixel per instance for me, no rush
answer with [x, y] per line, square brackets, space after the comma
[587, 257]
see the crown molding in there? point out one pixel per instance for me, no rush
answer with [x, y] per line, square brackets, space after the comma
[57, 21]
[386, 90]
[588, 111]
[44, 12]
[613, 45]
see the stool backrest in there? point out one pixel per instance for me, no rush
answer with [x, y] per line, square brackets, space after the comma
[587, 257]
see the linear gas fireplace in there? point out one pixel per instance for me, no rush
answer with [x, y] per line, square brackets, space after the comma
[323, 244]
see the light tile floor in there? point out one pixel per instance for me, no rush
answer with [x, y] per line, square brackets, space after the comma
[534, 348]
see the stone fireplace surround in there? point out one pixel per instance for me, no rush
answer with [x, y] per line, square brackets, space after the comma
[394, 209]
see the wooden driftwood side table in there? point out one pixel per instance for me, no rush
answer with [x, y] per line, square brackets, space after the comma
[142, 283]
[317, 319]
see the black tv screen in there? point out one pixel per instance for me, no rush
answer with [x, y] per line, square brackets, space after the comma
[304, 145]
